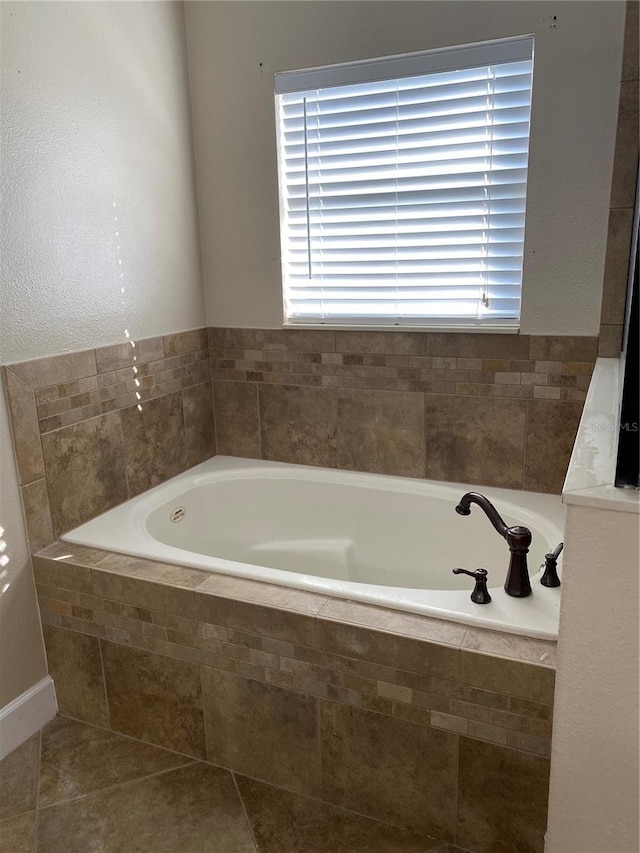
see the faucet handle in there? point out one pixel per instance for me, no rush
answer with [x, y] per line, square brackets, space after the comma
[480, 594]
[550, 576]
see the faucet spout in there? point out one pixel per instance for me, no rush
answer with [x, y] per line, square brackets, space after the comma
[464, 508]
[518, 539]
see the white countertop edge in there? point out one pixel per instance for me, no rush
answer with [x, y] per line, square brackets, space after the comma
[591, 473]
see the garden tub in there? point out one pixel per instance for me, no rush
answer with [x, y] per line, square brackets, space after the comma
[389, 541]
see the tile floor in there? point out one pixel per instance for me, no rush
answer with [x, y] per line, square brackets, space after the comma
[75, 788]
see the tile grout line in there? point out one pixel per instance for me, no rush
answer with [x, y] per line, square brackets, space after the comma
[244, 811]
[104, 678]
[36, 819]
[136, 739]
[338, 808]
[117, 785]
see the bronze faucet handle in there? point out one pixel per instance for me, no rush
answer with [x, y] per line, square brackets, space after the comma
[518, 538]
[550, 566]
[480, 594]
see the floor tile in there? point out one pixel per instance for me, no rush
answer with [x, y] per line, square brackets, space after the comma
[19, 779]
[18, 834]
[79, 759]
[191, 810]
[289, 823]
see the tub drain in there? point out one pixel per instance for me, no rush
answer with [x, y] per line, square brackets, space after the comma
[178, 514]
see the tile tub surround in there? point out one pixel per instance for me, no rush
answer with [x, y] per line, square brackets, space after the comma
[395, 716]
[82, 444]
[421, 404]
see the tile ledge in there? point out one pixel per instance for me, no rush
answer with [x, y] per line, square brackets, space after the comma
[152, 572]
[591, 471]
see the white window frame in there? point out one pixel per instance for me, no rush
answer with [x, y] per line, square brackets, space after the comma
[493, 53]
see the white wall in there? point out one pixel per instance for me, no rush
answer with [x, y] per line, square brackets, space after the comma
[593, 800]
[95, 124]
[22, 658]
[234, 50]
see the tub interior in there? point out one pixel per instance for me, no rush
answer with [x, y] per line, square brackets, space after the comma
[354, 533]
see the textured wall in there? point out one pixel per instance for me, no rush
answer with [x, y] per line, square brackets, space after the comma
[234, 50]
[95, 113]
[594, 782]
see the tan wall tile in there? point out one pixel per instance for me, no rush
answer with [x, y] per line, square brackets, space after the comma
[475, 440]
[381, 432]
[267, 594]
[62, 573]
[390, 650]
[551, 432]
[507, 677]
[52, 370]
[625, 164]
[224, 338]
[529, 743]
[487, 732]
[394, 692]
[504, 817]
[255, 619]
[76, 668]
[362, 752]
[24, 427]
[119, 356]
[631, 42]
[467, 345]
[449, 722]
[180, 343]
[529, 708]
[84, 470]
[562, 348]
[197, 405]
[154, 442]
[616, 269]
[262, 731]
[237, 419]
[394, 621]
[610, 341]
[37, 514]
[161, 573]
[492, 716]
[511, 646]
[543, 392]
[143, 593]
[154, 698]
[299, 424]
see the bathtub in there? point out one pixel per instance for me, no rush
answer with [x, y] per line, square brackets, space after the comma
[388, 541]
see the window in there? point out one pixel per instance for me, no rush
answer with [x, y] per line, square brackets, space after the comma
[403, 187]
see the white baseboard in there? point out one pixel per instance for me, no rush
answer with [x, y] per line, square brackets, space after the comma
[26, 715]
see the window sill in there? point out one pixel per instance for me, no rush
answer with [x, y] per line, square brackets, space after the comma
[343, 327]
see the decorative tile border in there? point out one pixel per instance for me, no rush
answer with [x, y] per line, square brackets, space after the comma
[497, 410]
[71, 402]
[401, 361]
[95, 427]
[348, 653]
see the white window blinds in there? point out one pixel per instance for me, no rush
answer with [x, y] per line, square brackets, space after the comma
[403, 185]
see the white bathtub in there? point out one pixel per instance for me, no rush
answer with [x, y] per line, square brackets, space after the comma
[390, 541]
